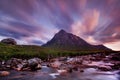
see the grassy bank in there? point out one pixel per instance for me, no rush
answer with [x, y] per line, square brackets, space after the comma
[30, 51]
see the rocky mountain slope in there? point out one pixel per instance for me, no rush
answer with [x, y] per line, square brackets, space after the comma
[68, 41]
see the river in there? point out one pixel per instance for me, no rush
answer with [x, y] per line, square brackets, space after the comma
[47, 73]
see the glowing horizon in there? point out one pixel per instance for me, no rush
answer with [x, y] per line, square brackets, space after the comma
[37, 21]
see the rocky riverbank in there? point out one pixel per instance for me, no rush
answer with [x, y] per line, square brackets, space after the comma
[102, 62]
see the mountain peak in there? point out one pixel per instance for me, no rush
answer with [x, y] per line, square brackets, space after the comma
[68, 41]
[62, 31]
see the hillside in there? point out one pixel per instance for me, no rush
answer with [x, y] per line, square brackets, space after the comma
[62, 44]
[30, 51]
[21, 51]
[67, 41]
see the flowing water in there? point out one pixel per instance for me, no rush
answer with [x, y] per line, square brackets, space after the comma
[51, 74]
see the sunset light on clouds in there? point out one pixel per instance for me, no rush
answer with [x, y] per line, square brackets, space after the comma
[37, 21]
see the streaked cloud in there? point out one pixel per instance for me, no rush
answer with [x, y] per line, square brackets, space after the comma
[36, 21]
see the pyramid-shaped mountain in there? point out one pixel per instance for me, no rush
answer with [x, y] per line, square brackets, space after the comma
[68, 41]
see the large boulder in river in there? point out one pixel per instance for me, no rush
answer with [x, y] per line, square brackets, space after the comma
[9, 41]
[34, 63]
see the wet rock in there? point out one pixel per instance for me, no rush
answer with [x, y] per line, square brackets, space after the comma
[13, 62]
[0, 64]
[19, 64]
[115, 56]
[105, 68]
[75, 68]
[62, 58]
[101, 65]
[118, 72]
[4, 73]
[9, 41]
[116, 65]
[22, 66]
[19, 67]
[69, 70]
[81, 70]
[55, 64]
[34, 63]
[53, 60]
[76, 60]
[62, 71]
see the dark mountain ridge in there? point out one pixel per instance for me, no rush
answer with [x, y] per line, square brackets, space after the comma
[68, 41]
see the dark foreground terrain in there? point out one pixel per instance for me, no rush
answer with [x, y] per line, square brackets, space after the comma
[86, 67]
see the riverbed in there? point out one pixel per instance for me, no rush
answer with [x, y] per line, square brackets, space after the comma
[47, 73]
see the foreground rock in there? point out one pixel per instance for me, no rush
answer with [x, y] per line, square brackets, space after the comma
[4, 73]
[34, 63]
[65, 64]
[115, 57]
[99, 61]
[55, 64]
[19, 64]
[101, 65]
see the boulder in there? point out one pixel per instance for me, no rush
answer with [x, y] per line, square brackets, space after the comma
[116, 66]
[56, 64]
[115, 56]
[81, 70]
[4, 73]
[70, 70]
[34, 64]
[75, 68]
[9, 41]
[62, 71]
[105, 68]
[63, 59]
[13, 62]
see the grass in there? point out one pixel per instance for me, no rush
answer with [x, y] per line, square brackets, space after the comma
[30, 51]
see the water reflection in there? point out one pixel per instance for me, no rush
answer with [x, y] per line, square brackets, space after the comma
[51, 74]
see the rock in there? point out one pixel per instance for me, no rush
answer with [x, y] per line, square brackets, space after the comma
[19, 64]
[62, 71]
[63, 59]
[101, 65]
[34, 63]
[9, 41]
[115, 56]
[116, 65]
[56, 64]
[75, 68]
[70, 70]
[4, 73]
[39, 66]
[13, 62]
[25, 63]
[0, 64]
[74, 60]
[81, 70]
[118, 72]
[105, 68]
[19, 67]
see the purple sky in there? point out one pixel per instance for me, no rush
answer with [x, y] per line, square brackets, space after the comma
[36, 21]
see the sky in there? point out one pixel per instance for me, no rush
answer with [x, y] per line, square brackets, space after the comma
[37, 21]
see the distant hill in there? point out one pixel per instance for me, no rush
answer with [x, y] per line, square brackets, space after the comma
[67, 41]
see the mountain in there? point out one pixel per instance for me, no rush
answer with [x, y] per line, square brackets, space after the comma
[68, 41]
